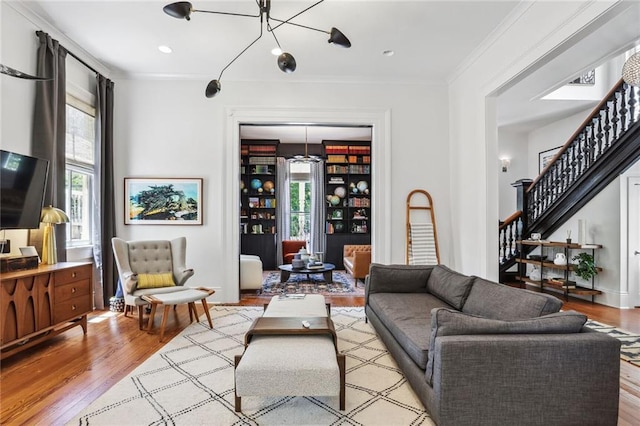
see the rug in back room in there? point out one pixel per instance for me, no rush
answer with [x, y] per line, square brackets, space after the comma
[299, 283]
[190, 381]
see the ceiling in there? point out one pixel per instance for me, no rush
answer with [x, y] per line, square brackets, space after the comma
[430, 40]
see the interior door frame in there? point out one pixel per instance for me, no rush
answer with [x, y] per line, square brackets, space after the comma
[632, 269]
[378, 119]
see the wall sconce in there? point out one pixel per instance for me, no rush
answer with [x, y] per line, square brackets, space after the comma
[51, 216]
[505, 164]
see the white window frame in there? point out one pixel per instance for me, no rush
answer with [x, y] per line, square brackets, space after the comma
[85, 102]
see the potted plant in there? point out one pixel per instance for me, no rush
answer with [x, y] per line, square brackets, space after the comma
[586, 266]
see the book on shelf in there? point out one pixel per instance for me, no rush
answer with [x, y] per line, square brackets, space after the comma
[562, 282]
[332, 158]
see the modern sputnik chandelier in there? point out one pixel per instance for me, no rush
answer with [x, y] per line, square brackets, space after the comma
[286, 61]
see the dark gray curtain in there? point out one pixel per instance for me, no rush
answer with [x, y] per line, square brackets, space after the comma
[105, 223]
[49, 126]
[316, 240]
[283, 223]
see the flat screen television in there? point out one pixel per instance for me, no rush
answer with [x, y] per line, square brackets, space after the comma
[22, 186]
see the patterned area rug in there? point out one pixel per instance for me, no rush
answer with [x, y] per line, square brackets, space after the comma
[299, 283]
[630, 350]
[190, 381]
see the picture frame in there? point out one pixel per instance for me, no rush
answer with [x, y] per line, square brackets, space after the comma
[163, 201]
[545, 157]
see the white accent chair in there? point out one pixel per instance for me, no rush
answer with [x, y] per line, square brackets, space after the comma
[149, 257]
[250, 272]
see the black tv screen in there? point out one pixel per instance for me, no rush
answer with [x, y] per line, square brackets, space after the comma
[22, 185]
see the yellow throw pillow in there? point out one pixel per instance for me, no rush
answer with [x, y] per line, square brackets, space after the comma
[155, 280]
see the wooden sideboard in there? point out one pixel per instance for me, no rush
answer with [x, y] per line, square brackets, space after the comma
[38, 304]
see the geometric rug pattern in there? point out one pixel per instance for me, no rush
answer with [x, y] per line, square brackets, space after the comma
[343, 283]
[190, 382]
[630, 349]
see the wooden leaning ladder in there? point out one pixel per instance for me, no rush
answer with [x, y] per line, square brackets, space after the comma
[422, 237]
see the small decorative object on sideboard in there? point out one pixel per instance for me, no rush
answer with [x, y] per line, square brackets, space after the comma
[569, 236]
[586, 267]
[560, 259]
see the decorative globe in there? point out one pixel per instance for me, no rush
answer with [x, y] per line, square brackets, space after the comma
[268, 186]
[335, 200]
[340, 191]
[256, 183]
[362, 186]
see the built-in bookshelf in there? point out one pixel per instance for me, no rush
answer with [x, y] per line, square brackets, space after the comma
[258, 200]
[348, 195]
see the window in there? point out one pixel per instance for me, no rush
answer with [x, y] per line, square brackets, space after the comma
[300, 199]
[80, 163]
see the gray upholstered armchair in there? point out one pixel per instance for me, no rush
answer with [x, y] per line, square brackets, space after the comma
[150, 267]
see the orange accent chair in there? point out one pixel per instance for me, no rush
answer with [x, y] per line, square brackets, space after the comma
[290, 248]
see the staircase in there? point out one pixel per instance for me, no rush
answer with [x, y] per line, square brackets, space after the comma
[604, 146]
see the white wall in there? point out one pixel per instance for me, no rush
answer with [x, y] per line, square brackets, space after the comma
[511, 145]
[168, 128]
[526, 37]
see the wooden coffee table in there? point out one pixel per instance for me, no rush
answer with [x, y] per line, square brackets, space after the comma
[326, 271]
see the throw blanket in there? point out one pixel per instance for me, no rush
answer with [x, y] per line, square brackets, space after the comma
[422, 244]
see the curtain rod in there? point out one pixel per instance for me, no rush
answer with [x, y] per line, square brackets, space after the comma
[83, 62]
[38, 32]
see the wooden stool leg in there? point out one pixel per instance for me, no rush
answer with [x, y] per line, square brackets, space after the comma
[192, 306]
[206, 312]
[151, 317]
[164, 320]
[190, 313]
[140, 314]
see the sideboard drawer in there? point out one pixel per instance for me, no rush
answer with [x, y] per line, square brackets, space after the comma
[73, 274]
[71, 290]
[75, 307]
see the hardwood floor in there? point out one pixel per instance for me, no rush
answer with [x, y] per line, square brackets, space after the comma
[51, 382]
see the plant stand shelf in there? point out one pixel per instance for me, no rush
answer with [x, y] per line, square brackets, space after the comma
[561, 285]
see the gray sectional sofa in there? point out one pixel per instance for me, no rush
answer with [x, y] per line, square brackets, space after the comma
[482, 353]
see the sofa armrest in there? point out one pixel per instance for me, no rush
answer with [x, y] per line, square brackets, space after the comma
[547, 379]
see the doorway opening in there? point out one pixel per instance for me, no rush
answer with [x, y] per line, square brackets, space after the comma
[304, 182]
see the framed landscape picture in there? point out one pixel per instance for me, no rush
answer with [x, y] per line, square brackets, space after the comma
[545, 157]
[162, 201]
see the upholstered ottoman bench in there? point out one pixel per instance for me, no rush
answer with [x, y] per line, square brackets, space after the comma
[282, 357]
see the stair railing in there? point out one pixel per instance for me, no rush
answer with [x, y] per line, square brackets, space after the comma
[509, 232]
[613, 116]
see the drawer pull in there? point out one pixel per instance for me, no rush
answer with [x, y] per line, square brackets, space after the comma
[73, 275]
[73, 307]
[73, 290]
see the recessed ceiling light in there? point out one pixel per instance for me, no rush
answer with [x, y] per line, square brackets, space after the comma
[388, 52]
[165, 49]
[276, 51]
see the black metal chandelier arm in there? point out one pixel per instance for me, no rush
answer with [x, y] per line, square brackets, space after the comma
[294, 16]
[240, 54]
[269, 29]
[297, 25]
[227, 13]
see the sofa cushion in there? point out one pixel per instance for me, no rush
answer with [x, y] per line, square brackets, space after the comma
[448, 322]
[407, 317]
[450, 286]
[498, 301]
[400, 278]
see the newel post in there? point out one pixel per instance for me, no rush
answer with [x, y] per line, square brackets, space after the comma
[522, 202]
[521, 187]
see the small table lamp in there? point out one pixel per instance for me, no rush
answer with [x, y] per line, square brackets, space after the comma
[51, 216]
